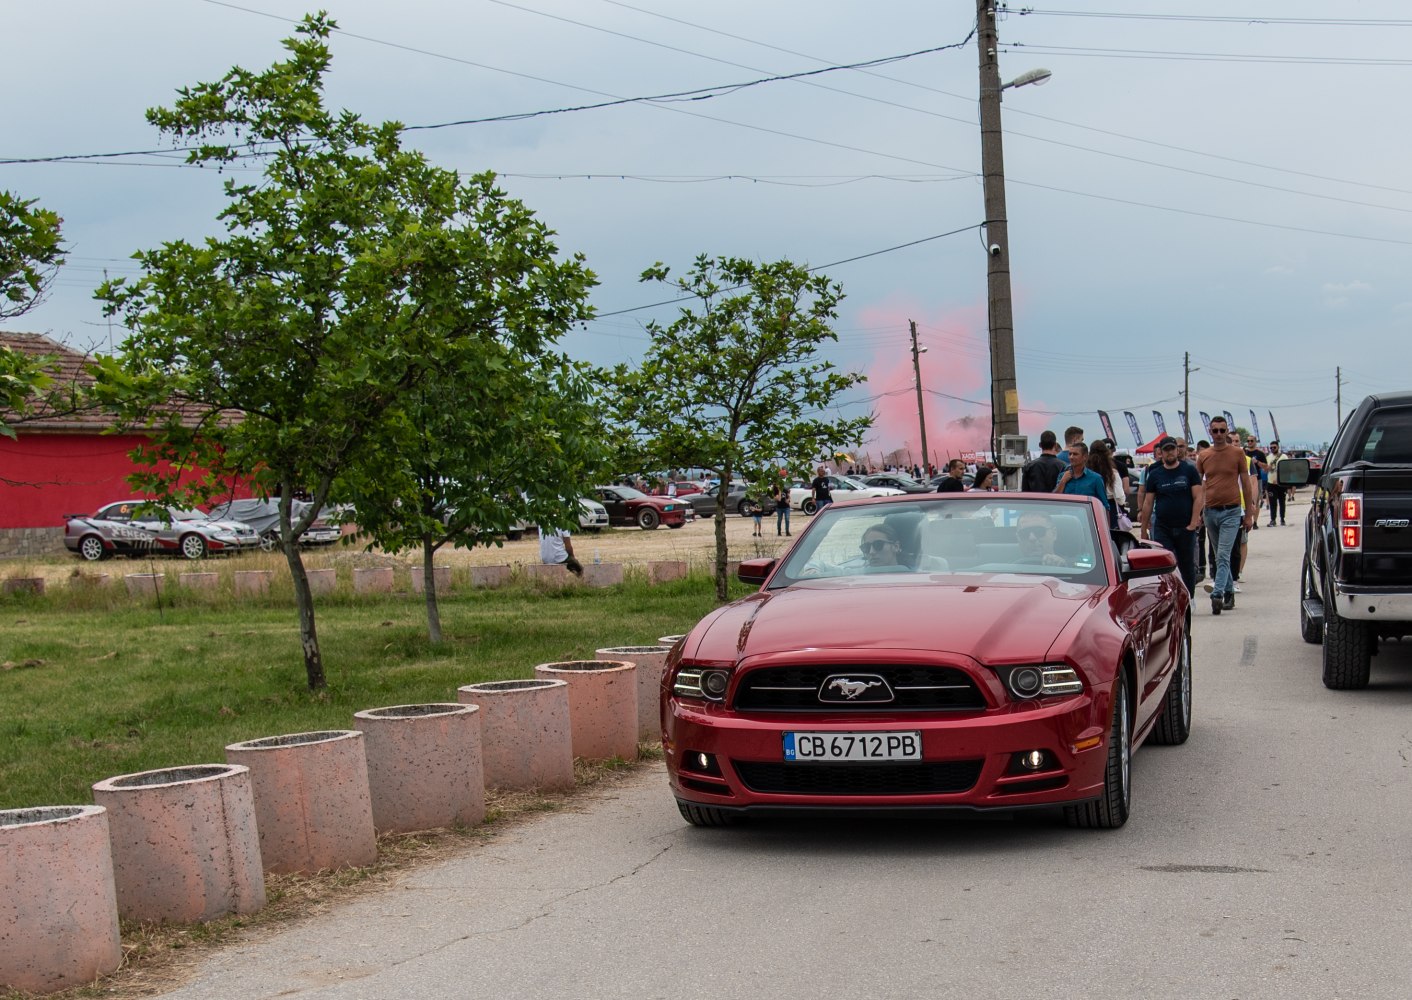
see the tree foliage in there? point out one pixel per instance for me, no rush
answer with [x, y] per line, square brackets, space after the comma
[31, 253]
[735, 383]
[353, 276]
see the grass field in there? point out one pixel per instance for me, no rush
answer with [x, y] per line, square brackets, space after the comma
[95, 684]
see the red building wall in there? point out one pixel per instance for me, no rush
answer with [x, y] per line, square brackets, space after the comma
[45, 475]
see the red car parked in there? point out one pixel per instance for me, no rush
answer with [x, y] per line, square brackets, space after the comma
[627, 506]
[941, 650]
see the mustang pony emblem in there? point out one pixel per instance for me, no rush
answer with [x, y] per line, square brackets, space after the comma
[851, 689]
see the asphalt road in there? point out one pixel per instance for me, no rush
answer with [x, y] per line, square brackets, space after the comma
[1268, 857]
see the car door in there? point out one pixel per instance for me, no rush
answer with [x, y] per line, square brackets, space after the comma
[1145, 609]
[616, 506]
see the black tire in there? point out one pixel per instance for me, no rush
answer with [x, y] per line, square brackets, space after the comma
[1111, 809]
[808, 507]
[596, 529]
[647, 519]
[191, 546]
[705, 815]
[679, 524]
[92, 549]
[1311, 631]
[746, 508]
[1174, 724]
[514, 535]
[1348, 651]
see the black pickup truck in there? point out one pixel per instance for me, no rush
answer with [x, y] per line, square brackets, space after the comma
[1356, 585]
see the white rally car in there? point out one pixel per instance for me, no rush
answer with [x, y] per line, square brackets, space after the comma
[843, 488]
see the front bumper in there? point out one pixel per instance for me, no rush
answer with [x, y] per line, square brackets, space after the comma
[982, 743]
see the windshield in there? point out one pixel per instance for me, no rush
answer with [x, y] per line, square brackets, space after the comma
[949, 540]
[628, 493]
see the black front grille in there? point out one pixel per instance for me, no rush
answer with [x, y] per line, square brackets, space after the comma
[921, 778]
[796, 689]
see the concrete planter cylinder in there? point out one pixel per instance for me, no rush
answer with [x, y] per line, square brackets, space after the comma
[321, 581]
[184, 842]
[526, 740]
[311, 799]
[441, 576]
[200, 581]
[253, 581]
[661, 571]
[650, 662]
[59, 909]
[143, 584]
[372, 580]
[602, 705]
[424, 766]
[670, 640]
[490, 576]
[602, 574]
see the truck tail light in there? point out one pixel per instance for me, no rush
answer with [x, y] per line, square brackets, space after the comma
[1350, 523]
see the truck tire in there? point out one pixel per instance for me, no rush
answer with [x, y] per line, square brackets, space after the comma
[1311, 631]
[1348, 651]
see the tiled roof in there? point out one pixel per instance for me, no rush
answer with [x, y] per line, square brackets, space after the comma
[69, 371]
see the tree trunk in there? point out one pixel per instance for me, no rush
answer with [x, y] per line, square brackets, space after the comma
[429, 588]
[722, 491]
[303, 596]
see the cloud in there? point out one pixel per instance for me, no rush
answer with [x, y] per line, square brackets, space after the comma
[1351, 286]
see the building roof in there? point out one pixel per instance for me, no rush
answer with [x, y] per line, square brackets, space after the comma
[69, 369]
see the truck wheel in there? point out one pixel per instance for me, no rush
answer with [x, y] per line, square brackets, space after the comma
[1348, 651]
[1311, 631]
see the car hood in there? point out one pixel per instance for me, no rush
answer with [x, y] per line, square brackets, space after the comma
[995, 617]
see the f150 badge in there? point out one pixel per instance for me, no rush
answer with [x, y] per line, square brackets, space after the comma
[1392, 522]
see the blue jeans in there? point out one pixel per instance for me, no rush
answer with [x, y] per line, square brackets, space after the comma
[1183, 545]
[782, 516]
[1223, 528]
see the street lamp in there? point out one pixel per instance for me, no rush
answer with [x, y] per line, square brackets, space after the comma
[1004, 399]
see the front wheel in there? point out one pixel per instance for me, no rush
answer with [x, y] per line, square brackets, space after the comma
[679, 524]
[704, 815]
[269, 541]
[90, 547]
[1174, 724]
[192, 546]
[809, 506]
[1111, 809]
[1311, 631]
[647, 519]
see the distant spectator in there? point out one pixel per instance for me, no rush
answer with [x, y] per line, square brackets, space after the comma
[955, 475]
[1078, 479]
[1072, 436]
[1041, 475]
[823, 496]
[555, 549]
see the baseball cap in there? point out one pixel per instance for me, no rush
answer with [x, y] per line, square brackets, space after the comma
[1167, 442]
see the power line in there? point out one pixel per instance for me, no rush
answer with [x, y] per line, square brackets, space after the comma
[1343, 22]
[1232, 57]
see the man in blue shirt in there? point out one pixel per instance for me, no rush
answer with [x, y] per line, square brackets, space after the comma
[1171, 507]
[1078, 479]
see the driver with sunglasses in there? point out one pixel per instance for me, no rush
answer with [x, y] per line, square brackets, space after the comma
[1036, 534]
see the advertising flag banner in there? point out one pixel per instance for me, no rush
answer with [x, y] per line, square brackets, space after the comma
[1206, 423]
[1107, 425]
[1230, 420]
[1132, 426]
[1274, 427]
[1161, 424]
[1254, 426]
[1186, 427]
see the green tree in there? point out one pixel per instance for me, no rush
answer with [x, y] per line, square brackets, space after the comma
[731, 383]
[352, 275]
[31, 253]
[477, 456]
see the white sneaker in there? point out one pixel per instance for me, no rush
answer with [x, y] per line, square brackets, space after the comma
[1237, 588]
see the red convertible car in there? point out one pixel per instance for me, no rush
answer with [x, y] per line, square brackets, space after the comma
[1000, 652]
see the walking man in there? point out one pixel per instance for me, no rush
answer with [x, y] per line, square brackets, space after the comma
[823, 496]
[1041, 474]
[953, 483]
[1226, 475]
[1171, 507]
[1273, 490]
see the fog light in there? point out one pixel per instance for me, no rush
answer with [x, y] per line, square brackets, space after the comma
[1032, 760]
[698, 762]
[714, 683]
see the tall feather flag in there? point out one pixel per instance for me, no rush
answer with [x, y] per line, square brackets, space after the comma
[1107, 424]
[1161, 424]
[1186, 427]
[1254, 426]
[1274, 427]
[1230, 420]
[1132, 426]
[1206, 423]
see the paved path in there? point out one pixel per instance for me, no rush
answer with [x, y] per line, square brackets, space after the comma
[1266, 858]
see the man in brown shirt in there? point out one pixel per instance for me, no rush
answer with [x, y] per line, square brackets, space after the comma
[1226, 473]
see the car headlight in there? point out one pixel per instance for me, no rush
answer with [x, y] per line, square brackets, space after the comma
[709, 683]
[1041, 681]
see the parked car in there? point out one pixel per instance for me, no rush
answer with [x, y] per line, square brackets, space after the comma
[263, 516]
[593, 516]
[996, 651]
[627, 506]
[704, 503]
[801, 497]
[896, 481]
[191, 534]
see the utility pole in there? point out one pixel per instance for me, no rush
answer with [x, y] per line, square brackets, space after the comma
[1187, 369]
[1004, 398]
[921, 414]
[1338, 396]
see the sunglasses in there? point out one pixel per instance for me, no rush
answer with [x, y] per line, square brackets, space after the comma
[1034, 531]
[876, 545]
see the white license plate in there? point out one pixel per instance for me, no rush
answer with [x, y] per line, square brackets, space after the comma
[800, 747]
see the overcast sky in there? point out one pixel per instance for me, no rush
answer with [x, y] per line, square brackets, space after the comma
[1202, 177]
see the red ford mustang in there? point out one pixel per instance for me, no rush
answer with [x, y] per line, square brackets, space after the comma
[934, 651]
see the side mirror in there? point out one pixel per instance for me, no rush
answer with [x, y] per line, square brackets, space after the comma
[1290, 472]
[755, 570]
[1149, 561]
